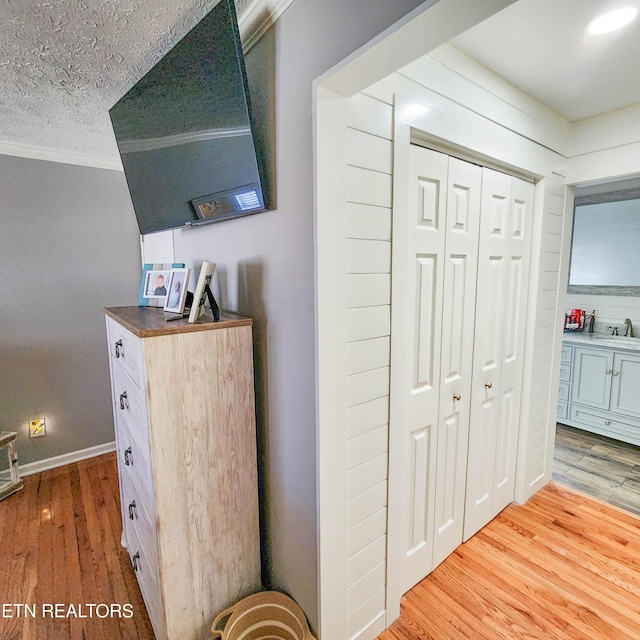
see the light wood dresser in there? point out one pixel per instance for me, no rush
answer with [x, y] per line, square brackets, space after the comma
[183, 404]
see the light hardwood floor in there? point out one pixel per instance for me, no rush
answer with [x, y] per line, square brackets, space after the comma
[604, 468]
[60, 544]
[564, 566]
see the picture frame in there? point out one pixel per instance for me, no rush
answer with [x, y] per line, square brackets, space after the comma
[177, 291]
[199, 296]
[150, 271]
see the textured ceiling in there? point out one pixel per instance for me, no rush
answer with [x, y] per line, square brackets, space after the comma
[64, 63]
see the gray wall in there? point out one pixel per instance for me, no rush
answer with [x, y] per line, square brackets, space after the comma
[265, 270]
[68, 248]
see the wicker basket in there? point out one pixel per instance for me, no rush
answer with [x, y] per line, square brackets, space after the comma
[269, 614]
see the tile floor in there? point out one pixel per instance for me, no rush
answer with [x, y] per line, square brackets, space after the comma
[601, 467]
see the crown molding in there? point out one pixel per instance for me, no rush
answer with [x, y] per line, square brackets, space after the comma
[54, 155]
[258, 19]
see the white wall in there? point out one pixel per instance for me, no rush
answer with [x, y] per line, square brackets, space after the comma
[605, 147]
[602, 149]
[611, 311]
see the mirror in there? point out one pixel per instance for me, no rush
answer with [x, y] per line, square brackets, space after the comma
[605, 258]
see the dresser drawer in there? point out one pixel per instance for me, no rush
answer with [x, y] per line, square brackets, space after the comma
[130, 408]
[563, 410]
[565, 372]
[563, 391]
[148, 579]
[605, 423]
[125, 350]
[566, 355]
[133, 459]
[139, 513]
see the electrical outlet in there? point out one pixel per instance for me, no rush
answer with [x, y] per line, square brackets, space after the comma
[37, 428]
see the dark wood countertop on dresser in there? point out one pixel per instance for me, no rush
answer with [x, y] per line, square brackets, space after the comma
[148, 322]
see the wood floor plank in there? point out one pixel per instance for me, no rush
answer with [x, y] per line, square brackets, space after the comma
[598, 466]
[60, 544]
[579, 584]
[564, 566]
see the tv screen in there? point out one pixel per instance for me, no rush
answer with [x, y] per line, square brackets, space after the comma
[185, 134]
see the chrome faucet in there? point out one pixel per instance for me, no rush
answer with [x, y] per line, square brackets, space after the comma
[629, 330]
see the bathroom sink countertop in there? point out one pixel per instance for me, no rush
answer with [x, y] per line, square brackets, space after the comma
[602, 340]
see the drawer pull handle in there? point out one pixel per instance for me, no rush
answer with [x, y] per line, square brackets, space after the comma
[127, 456]
[457, 396]
[135, 560]
[119, 349]
[608, 371]
[132, 510]
[124, 401]
[488, 385]
[616, 373]
[607, 422]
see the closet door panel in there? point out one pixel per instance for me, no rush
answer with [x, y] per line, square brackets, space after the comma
[460, 271]
[420, 232]
[480, 469]
[493, 268]
[512, 364]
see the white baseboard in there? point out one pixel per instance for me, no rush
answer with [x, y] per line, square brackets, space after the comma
[66, 458]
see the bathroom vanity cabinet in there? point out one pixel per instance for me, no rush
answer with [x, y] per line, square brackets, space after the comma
[600, 387]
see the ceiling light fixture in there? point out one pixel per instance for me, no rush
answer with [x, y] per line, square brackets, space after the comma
[612, 20]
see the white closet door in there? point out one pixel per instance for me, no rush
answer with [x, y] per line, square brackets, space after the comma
[498, 351]
[513, 340]
[419, 241]
[460, 269]
[489, 327]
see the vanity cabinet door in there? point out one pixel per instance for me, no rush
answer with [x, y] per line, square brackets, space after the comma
[625, 392]
[592, 375]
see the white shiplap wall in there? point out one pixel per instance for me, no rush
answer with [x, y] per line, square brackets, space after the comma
[610, 310]
[541, 369]
[369, 194]
[364, 219]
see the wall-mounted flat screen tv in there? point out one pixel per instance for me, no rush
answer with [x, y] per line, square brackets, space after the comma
[185, 133]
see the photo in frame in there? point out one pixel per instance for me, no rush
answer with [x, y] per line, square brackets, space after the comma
[154, 280]
[200, 297]
[177, 290]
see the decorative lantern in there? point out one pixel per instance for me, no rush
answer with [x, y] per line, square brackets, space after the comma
[9, 478]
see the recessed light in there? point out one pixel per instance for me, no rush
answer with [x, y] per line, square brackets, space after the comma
[612, 20]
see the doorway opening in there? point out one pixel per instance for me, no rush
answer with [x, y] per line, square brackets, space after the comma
[597, 445]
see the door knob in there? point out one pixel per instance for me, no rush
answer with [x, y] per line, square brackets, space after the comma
[456, 396]
[488, 385]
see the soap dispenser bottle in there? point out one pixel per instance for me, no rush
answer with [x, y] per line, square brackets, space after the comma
[592, 321]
